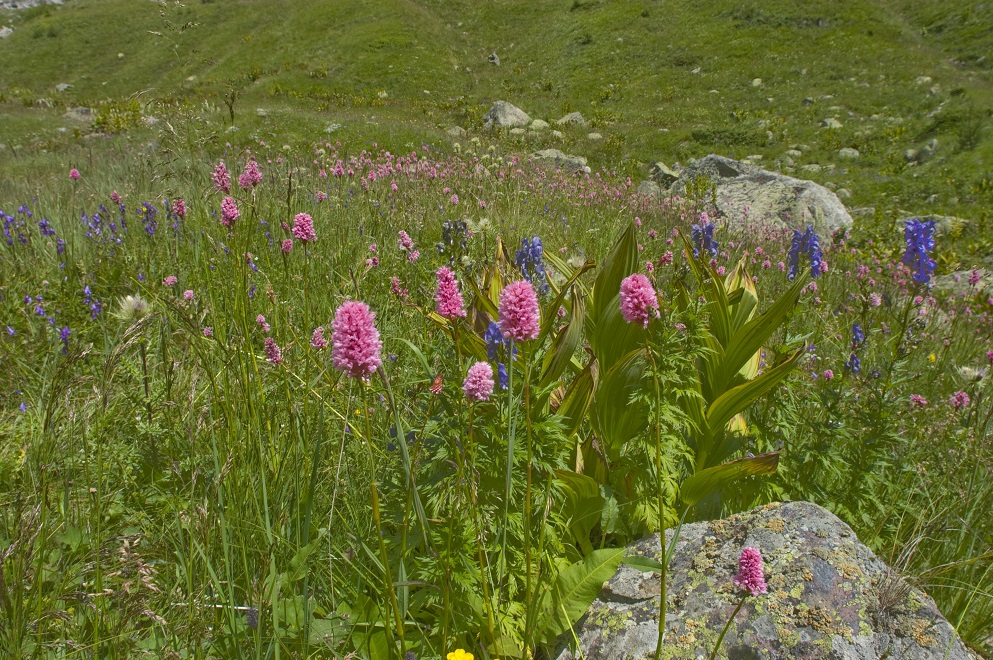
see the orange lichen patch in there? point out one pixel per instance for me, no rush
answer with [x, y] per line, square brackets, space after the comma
[920, 630]
[776, 524]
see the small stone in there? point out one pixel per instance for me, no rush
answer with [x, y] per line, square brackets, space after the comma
[517, 131]
[787, 161]
[911, 155]
[63, 87]
[572, 118]
[594, 136]
[849, 153]
[923, 80]
[538, 125]
[494, 59]
[808, 101]
[812, 167]
[556, 134]
[262, 112]
[757, 82]
[455, 132]
[844, 193]
[795, 153]
[5, 32]
[831, 123]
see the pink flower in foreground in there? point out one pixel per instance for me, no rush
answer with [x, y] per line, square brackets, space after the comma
[272, 352]
[413, 256]
[518, 311]
[208, 332]
[287, 245]
[74, 174]
[188, 294]
[303, 227]
[251, 177]
[355, 343]
[638, 299]
[263, 325]
[317, 340]
[960, 400]
[918, 400]
[828, 375]
[221, 178]
[115, 197]
[447, 296]
[404, 241]
[479, 383]
[229, 212]
[750, 575]
[170, 280]
[179, 207]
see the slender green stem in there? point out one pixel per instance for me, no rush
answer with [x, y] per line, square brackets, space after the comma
[717, 645]
[660, 493]
[508, 487]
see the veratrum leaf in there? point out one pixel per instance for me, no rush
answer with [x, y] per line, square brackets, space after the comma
[575, 589]
[620, 262]
[616, 417]
[582, 507]
[699, 485]
[558, 357]
[578, 398]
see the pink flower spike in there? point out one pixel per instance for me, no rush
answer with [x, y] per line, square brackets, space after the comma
[355, 343]
[638, 299]
[221, 178]
[750, 575]
[170, 280]
[74, 174]
[447, 297]
[188, 294]
[479, 383]
[208, 332]
[272, 352]
[960, 400]
[287, 246]
[317, 340]
[303, 228]
[518, 311]
[229, 212]
[179, 208]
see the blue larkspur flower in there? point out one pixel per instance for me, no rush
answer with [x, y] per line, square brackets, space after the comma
[919, 235]
[854, 364]
[858, 335]
[703, 239]
[502, 373]
[530, 261]
[805, 243]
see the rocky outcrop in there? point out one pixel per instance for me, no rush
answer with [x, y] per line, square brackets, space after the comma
[978, 281]
[504, 115]
[767, 195]
[561, 159]
[572, 118]
[828, 596]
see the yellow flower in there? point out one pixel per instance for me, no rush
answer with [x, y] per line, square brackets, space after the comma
[459, 654]
[932, 357]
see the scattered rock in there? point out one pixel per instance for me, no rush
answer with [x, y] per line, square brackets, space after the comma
[923, 80]
[812, 167]
[829, 596]
[517, 131]
[5, 31]
[556, 134]
[808, 101]
[849, 153]
[862, 212]
[563, 160]
[572, 118]
[455, 132]
[494, 59]
[63, 87]
[912, 155]
[957, 283]
[927, 151]
[662, 174]
[594, 136]
[767, 195]
[795, 153]
[538, 125]
[79, 114]
[787, 161]
[831, 123]
[651, 189]
[843, 193]
[505, 115]
[262, 112]
[757, 82]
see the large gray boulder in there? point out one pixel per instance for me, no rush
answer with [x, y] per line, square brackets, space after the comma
[829, 597]
[504, 115]
[768, 195]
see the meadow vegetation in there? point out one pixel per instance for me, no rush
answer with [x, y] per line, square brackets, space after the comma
[191, 466]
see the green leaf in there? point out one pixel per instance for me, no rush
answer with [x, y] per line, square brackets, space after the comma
[698, 486]
[571, 282]
[565, 344]
[611, 337]
[298, 564]
[575, 589]
[644, 564]
[582, 506]
[421, 359]
[578, 398]
[616, 417]
[620, 262]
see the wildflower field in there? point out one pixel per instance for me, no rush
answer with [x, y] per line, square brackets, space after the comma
[316, 401]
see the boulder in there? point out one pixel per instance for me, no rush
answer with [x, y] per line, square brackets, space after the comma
[455, 132]
[828, 596]
[662, 174]
[538, 125]
[831, 123]
[651, 189]
[767, 195]
[563, 160]
[572, 118]
[505, 115]
[958, 283]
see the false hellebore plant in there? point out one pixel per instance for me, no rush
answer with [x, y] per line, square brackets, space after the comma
[585, 417]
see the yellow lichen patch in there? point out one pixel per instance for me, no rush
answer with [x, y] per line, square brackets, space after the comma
[776, 524]
[777, 582]
[807, 575]
[920, 630]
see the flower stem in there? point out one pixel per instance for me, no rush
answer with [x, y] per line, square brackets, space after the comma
[717, 646]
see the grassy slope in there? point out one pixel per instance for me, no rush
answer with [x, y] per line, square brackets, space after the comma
[660, 80]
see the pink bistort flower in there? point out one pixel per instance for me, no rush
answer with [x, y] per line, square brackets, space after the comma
[179, 207]
[170, 280]
[208, 332]
[74, 174]
[355, 343]
[317, 340]
[263, 325]
[115, 197]
[960, 400]
[479, 383]
[447, 296]
[404, 241]
[303, 227]
[188, 295]
[918, 400]
[229, 212]
[750, 575]
[287, 245]
[221, 178]
[272, 352]
[251, 177]
[518, 311]
[638, 299]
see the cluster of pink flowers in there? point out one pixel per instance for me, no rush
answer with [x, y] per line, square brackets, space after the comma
[413, 256]
[303, 228]
[263, 325]
[272, 352]
[396, 288]
[229, 212]
[355, 340]
[188, 295]
[960, 400]
[638, 299]
[478, 384]
[74, 174]
[317, 340]
[750, 575]
[115, 197]
[221, 178]
[287, 245]
[918, 400]
[170, 280]
[828, 375]
[208, 332]
[179, 208]
[251, 177]
[518, 311]
[405, 241]
[447, 297]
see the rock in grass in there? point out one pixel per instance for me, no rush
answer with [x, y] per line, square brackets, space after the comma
[829, 597]
[662, 174]
[849, 153]
[572, 118]
[959, 283]
[538, 125]
[831, 123]
[455, 132]
[563, 160]
[768, 195]
[5, 31]
[504, 115]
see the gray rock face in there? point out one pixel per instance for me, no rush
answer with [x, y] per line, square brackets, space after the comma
[663, 175]
[958, 282]
[767, 195]
[572, 118]
[5, 31]
[563, 160]
[455, 132]
[831, 123]
[829, 597]
[505, 115]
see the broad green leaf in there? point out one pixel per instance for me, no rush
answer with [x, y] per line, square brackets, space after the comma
[578, 398]
[557, 358]
[620, 262]
[298, 564]
[578, 294]
[574, 591]
[616, 417]
[611, 337]
[582, 507]
[698, 486]
[644, 564]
